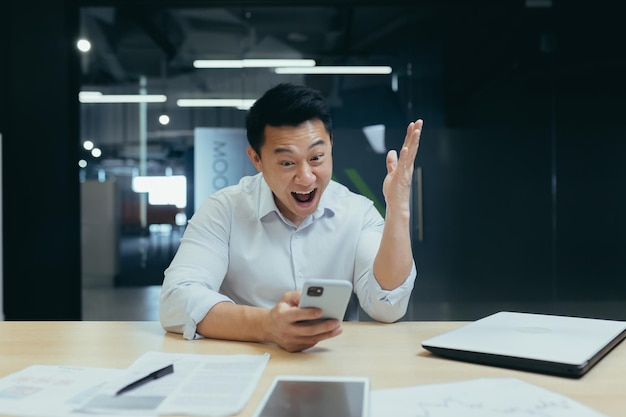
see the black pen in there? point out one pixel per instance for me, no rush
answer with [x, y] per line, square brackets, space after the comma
[150, 377]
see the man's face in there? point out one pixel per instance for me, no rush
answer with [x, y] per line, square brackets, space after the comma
[297, 164]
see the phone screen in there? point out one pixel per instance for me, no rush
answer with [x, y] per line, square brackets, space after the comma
[316, 399]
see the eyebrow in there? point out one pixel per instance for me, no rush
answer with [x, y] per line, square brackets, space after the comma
[287, 150]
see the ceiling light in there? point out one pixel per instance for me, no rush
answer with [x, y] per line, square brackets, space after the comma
[252, 63]
[164, 119]
[83, 45]
[242, 104]
[97, 97]
[356, 70]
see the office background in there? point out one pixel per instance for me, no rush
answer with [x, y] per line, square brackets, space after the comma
[522, 162]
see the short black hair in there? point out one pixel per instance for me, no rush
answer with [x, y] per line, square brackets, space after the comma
[285, 105]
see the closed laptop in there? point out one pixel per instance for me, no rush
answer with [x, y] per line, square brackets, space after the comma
[551, 344]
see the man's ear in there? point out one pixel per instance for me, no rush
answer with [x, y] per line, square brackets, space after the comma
[254, 158]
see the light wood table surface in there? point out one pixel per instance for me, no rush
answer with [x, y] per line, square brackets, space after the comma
[389, 354]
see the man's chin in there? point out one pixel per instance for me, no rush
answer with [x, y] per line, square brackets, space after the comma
[304, 209]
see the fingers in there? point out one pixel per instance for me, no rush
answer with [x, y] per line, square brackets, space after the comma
[416, 125]
[304, 335]
[291, 298]
[414, 128]
[311, 333]
[413, 134]
[409, 149]
[316, 328]
[295, 329]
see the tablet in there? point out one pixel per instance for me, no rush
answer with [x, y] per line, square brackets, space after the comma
[316, 396]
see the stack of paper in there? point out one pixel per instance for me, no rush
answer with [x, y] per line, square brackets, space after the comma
[216, 385]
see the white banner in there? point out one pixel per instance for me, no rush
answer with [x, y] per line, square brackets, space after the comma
[220, 160]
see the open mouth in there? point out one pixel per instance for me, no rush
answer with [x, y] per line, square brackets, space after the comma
[304, 197]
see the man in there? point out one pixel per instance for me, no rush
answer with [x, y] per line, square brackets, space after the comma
[246, 252]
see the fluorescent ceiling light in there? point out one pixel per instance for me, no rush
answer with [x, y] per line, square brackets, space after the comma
[335, 70]
[97, 97]
[242, 104]
[252, 63]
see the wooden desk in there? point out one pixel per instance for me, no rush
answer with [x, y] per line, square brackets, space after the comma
[389, 354]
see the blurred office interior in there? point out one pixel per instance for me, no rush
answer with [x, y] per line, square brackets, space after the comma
[520, 184]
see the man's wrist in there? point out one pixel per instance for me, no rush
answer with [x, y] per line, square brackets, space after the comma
[260, 324]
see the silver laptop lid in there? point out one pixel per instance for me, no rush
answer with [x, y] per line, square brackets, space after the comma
[549, 338]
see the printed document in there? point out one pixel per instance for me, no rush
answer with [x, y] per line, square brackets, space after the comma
[48, 390]
[483, 397]
[215, 385]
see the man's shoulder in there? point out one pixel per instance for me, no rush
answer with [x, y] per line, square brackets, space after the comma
[338, 190]
[342, 196]
[245, 186]
[234, 195]
[349, 207]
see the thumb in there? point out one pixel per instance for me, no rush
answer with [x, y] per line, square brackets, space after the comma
[392, 160]
[291, 298]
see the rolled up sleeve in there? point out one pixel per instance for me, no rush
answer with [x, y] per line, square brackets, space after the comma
[192, 280]
[183, 305]
[386, 306]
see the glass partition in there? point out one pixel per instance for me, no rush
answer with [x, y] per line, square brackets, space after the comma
[519, 181]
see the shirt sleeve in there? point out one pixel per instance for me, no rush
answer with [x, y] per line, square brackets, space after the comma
[192, 280]
[381, 305]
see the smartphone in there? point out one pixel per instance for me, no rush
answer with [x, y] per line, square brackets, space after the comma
[316, 396]
[331, 295]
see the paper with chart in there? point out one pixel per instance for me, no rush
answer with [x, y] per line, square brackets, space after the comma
[215, 385]
[483, 397]
[50, 390]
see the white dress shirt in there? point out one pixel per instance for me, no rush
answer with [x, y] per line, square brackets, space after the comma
[239, 248]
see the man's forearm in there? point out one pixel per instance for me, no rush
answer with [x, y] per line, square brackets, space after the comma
[234, 322]
[394, 260]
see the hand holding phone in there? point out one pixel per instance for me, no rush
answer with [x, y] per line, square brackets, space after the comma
[330, 295]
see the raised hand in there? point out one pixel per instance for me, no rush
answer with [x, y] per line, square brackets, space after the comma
[397, 183]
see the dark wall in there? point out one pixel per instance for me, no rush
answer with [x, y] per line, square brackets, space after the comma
[573, 93]
[523, 183]
[39, 123]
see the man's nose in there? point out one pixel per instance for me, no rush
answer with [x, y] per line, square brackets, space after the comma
[305, 174]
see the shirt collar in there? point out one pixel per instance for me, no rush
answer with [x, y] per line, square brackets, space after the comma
[267, 204]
